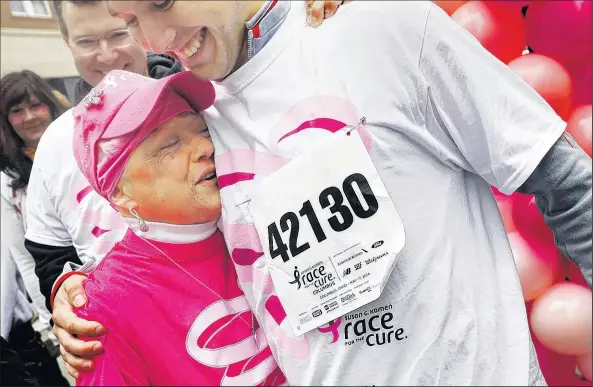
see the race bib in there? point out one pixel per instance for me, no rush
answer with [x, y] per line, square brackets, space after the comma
[329, 230]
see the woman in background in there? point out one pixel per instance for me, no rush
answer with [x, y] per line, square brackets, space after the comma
[27, 106]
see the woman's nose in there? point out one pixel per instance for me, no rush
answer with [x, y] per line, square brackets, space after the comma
[28, 116]
[202, 149]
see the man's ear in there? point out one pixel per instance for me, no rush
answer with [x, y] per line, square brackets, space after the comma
[122, 201]
[66, 42]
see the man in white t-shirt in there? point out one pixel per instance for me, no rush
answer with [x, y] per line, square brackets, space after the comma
[444, 121]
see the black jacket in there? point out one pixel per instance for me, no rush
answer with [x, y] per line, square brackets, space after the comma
[50, 260]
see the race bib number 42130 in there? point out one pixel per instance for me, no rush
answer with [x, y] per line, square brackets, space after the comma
[329, 230]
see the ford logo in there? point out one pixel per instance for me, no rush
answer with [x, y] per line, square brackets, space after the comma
[377, 244]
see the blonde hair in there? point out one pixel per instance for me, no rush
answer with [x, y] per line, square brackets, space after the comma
[62, 99]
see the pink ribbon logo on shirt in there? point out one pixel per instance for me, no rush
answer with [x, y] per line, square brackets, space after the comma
[246, 356]
[332, 327]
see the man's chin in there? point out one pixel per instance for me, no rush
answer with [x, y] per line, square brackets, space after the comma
[209, 73]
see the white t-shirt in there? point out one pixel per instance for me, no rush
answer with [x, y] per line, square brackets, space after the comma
[12, 241]
[446, 119]
[17, 267]
[62, 208]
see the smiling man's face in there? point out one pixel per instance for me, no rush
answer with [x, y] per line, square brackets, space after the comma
[207, 36]
[100, 42]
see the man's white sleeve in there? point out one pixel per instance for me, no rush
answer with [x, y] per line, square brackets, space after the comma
[44, 225]
[485, 118]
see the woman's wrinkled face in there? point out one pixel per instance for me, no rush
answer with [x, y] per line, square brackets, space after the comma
[170, 177]
[29, 120]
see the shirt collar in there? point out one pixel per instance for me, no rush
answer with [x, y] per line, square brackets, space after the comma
[264, 24]
[176, 246]
[173, 233]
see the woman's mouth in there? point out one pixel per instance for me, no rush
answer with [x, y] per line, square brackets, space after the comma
[34, 126]
[192, 47]
[207, 178]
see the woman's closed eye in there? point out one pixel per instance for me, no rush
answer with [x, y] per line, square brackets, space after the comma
[161, 151]
[169, 143]
[204, 132]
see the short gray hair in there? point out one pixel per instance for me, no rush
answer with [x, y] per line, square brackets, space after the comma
[57, 6]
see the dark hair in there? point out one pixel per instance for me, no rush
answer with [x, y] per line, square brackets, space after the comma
[16, 88]
[57, 6]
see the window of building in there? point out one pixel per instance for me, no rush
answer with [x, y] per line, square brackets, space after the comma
[30, 8]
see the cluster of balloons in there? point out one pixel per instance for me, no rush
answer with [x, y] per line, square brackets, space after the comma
[549, 44]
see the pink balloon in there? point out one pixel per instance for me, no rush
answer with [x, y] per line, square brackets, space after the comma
[528, 220]
[558, 370]
[579, 127]
[549, 78]
[560, 30]
[572, 273]
[501, 30]
[514, 4]
[582, 78]
[562, 318]
[496, 192]
[538, 265]
[584, 364]
[449, 6]
[505, 206]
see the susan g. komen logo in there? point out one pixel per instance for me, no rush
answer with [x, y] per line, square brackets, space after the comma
[333, 328]
[225, 335]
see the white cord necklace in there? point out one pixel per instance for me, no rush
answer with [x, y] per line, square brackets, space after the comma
[252, 325]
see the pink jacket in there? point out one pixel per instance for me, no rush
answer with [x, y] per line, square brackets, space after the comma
[165, 328]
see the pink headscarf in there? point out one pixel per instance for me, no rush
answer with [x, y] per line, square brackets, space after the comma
[124, 109]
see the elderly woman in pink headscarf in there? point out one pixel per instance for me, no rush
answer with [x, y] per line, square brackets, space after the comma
[167, 293]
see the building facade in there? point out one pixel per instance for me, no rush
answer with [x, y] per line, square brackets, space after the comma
[30, 39]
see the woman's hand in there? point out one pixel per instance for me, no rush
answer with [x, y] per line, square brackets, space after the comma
[76, 353]
[318, 10]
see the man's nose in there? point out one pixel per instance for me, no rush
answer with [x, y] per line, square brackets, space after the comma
[107, 54]
[157, 37]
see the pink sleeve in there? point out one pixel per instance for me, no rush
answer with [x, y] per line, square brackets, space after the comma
[121, 363]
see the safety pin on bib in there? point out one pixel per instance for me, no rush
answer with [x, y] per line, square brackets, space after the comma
[350, 128]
